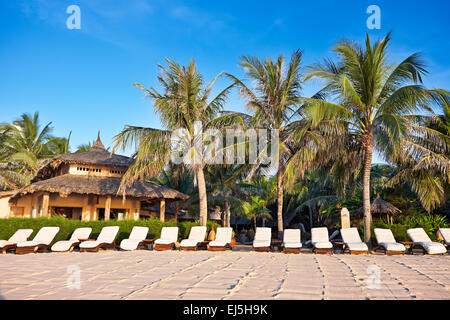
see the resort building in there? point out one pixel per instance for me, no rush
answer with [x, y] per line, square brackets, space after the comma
[84, 186]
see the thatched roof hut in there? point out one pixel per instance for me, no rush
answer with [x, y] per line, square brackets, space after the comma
[87, 183]
[379, 206]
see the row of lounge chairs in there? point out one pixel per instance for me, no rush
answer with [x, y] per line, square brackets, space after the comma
[319, 243]
[352, 243]
[106, 239]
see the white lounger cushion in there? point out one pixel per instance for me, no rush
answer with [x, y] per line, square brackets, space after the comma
[137, 235]
[263, 237]
[44, 236]
[445, 233]
[292, 238]
[420, 237]
[196, 235]
[223, 237]
[168, 235]
[107, 235]
[320, 239]
[386, 239]
[20, 235]
[79, 233]
[351, 238]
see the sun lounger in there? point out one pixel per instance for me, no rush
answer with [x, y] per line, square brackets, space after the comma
[136, 239]
[104, 240]
[445, 233]
[41, 241]
[69, 245]
[320, 241]
[20, 235]
[352, 241]
[262, 239]
[167, 240]
[387, 243]
[423, 242]
[292, 241]
[222, 240]
[196, 236]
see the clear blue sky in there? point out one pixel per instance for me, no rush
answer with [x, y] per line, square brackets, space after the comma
[82, 80]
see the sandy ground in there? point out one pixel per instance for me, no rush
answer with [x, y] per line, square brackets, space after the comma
[222, 275]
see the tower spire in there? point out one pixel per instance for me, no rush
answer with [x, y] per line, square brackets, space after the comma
[98, 145]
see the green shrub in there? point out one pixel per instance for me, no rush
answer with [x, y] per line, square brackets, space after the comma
[9, 226]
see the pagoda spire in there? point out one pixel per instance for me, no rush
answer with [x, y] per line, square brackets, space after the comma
[98, 145]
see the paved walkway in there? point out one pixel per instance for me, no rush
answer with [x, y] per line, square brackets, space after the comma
[222, 275]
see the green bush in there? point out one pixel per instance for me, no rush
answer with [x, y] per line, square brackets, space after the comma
[9, 226]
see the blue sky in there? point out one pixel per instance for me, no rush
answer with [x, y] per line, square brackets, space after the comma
[82, 80]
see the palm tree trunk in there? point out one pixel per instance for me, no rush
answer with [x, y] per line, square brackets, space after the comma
[254, 222]
[280, 201]
[202, 195]
[227, 213]
[366, 194]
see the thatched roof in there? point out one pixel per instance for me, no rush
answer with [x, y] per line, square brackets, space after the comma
[383, 207]
[104, 186]
[379, 206]
[97, 155]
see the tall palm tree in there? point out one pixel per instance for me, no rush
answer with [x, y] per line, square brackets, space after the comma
[182, 105]
[274, 100]
[373, 103]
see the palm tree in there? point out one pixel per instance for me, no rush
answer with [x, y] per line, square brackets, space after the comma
[256, 208]
[374, 104]
[26, 142]
[183, 104]
[224, 182]
[275, 100]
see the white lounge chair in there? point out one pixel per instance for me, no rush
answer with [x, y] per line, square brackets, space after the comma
[262, 240]
[136, 239]
[69, 245]
[20, 235]
[196, 237]
[292, 241]
[352, 241]
[387, 243]
[104, 240]
[445, 233]
[167, 240]
[423, 242]
[41, 241]
[320, 240]
[222, 240]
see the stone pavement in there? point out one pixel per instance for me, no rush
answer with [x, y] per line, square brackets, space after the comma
[222, 275]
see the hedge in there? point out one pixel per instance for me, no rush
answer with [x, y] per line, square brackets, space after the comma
[9, 226]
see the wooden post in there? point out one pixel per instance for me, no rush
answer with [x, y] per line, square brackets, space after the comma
[162, 210]
[45, 203]
[108, 208]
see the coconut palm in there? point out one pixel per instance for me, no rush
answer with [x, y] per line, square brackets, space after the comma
[274, 100]
[27, 143]
[256, 208]
[374, 103]
[183, 105]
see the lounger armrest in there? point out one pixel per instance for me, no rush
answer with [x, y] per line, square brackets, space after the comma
[148, 240]
[86, 239]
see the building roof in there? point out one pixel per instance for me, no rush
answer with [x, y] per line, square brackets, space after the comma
[68, 184]
[97, 155]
